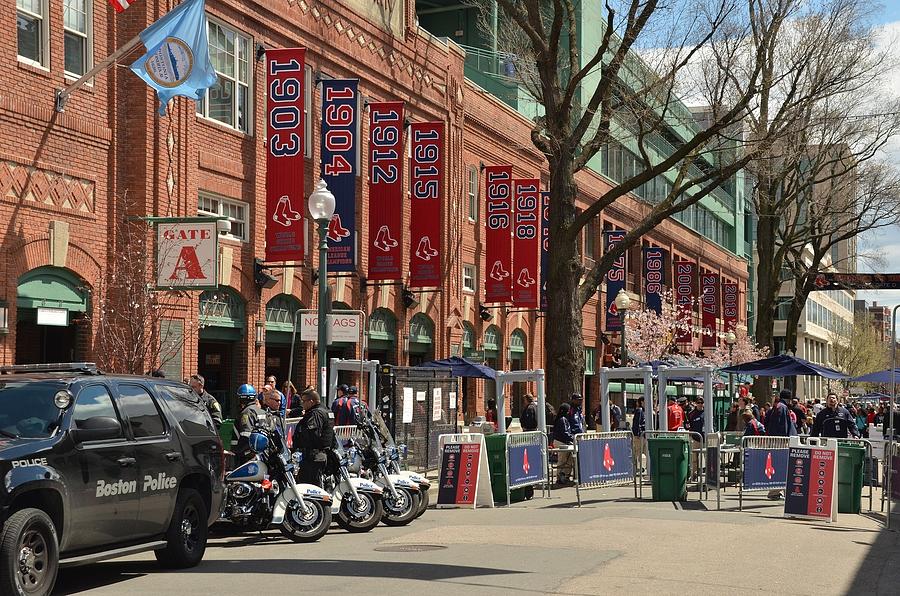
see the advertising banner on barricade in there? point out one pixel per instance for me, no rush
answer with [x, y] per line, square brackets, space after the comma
[604, 459]
[765, 469]
[812, 480]
[526, 462]
[464, 479]
[285, 203]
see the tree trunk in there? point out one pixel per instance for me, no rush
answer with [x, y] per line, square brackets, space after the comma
[790, 334]
[768, 284]
[563, 341]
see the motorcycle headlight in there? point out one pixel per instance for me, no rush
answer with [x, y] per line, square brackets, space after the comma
[297, 457]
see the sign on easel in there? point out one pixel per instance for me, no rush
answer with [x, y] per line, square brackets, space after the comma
[812, 479]
[464, 479]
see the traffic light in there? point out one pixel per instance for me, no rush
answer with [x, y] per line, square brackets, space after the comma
[261, 275]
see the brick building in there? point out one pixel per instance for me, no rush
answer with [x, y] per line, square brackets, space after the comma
[65, 178]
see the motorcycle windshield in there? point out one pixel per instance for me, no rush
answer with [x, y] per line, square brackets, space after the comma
[387, 438]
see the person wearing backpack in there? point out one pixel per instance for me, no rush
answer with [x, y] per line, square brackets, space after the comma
[528, 419]
[753, 427]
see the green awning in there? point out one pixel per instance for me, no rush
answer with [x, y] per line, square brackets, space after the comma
[51, 287]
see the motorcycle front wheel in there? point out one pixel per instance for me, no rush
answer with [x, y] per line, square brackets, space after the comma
[423, 500]
[401, 510]
[306, 523]
[360, 515]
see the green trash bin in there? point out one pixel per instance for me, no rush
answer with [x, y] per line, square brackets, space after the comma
[669, 460]
[496, 454]
[226, 433]
[851, 468]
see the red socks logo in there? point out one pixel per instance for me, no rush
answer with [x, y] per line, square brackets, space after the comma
[525, 280]
[498, 272]
[770, 470]
[608, 461]
[424, 250]
[284, 212]
[383, 240]
[525, 466]
[337, 232]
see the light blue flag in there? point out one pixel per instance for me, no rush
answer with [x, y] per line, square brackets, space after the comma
[177, 59]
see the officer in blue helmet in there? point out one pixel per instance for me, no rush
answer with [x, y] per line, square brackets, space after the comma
[249, 419]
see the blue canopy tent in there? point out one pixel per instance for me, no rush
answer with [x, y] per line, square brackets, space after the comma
[882, 376]
[460, 367]
[784, 366]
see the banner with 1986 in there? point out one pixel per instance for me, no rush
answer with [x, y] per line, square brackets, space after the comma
[654, 276]
[426, 185]
[285, 203]
[385, 190]
[339, 146]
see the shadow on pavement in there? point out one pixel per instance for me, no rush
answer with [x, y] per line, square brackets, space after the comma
[80, 579]
[879, 572]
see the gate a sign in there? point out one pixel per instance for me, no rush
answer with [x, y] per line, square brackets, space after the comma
[187, 254]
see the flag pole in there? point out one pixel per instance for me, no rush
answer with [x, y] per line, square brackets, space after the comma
[62, 95]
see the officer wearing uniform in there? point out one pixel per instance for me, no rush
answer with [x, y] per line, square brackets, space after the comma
[212, 406]
[314, 435]
[834, 421]
[249, 419]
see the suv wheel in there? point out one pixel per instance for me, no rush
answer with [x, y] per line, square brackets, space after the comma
[29, 554]
[187, 532]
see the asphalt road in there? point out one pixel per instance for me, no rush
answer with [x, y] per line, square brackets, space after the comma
[613, 544]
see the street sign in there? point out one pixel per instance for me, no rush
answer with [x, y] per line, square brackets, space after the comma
[187, 253]
[341, 327]
[857, 281]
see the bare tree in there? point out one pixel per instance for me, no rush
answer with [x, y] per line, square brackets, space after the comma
[134, 333]
[726, 54]
[858, 349]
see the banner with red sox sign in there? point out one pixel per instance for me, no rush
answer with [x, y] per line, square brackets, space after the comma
[285, 203]
[685, 293]
[385, 190]
[498, 241]
[654, 276]
[426, 185]
[615, 279]
[545, 246]
[709, 308]
[526, 241]
[339, 145]
[730, 305]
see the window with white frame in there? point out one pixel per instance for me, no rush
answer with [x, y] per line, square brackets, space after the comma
[235, 211]
[473, 193]
[228, 101]
[77, 31]
[31, 28]
[468, 278]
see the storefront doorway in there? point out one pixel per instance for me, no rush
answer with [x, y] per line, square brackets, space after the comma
[421, 339]
[383, 336]
[222, 326]
[51, 323]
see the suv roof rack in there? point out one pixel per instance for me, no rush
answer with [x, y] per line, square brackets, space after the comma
[89, 368]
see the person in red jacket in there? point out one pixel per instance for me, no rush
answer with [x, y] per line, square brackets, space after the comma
[675, 415]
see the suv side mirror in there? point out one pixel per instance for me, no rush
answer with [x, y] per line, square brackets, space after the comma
[97, 428]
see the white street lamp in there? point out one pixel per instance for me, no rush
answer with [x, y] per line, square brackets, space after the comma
[321, 209]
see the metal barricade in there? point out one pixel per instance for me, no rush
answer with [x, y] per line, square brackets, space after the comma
[714, 466]
[761, 443]
[700, 451]
[616, 465]
[524, 440]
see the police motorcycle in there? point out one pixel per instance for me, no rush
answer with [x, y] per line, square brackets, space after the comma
[395, 454]
[401, 498]
[356, 503]
[263, 492]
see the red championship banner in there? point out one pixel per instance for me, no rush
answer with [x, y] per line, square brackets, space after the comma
[385, 190]
[526, 242]
[709, 307]
[685, 276]
[730, 305]
[285, 202]
[426, 185]
[498, 242]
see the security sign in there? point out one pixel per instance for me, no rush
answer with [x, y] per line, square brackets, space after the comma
[186, 254]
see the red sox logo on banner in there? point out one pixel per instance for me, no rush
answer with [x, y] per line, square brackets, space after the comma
[339, 105]
[426, 186]
[730, 305]
[709, 304]
[498, 244]
[526, 242]
[685, 284]
[284, 155]
[385, 190]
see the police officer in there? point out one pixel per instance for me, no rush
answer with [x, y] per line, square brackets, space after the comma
[249, 419]
[834, 421]
[340, 401]
[197, 383]
[314, 435]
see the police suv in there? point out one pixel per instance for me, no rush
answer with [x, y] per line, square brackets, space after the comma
[97, 466]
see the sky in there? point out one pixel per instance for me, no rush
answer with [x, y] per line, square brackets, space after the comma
[887, 240]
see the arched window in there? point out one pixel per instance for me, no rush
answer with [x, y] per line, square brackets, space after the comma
[280, 312]
[223, 307]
